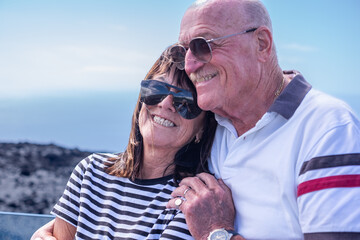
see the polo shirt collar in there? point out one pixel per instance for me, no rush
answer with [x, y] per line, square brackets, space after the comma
[287, 102]
[290, 99]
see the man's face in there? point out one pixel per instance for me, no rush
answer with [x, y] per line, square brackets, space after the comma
[225, 81]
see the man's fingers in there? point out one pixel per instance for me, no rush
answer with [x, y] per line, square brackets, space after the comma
[175, 203]
[209, 180]
[179, 191]
[171, 204]
[189, 186]
[223, 185]
[199, 183]
[194, 182]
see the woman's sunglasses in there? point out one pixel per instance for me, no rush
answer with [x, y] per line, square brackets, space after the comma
[200, 48]
[153, 92]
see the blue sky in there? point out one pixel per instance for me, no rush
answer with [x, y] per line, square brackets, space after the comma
[61, 47]
[62, 61]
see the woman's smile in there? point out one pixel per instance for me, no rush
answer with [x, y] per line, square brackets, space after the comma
[162, 121]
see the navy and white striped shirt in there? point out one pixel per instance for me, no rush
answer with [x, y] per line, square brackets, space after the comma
[102, 206]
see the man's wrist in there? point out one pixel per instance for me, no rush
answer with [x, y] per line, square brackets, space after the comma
[237, 237]
[222, 234]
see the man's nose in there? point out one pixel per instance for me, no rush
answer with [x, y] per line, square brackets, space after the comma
[192, 64]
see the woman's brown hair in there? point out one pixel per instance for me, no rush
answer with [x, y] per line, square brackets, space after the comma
[189, 160]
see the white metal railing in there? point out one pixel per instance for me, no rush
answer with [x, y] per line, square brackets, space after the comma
[20, 226]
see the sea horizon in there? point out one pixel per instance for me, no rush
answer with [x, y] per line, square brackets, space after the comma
[98, 122]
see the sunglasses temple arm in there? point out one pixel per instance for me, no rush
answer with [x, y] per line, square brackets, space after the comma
[231, 35]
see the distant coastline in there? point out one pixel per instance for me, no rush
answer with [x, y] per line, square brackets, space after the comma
[33, 176]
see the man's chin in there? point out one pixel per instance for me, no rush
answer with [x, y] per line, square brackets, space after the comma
[204, 104]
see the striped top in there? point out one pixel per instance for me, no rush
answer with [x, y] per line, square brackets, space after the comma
[102, 206]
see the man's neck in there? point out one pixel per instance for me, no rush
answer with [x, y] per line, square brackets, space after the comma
[245, 124]
[243, 116]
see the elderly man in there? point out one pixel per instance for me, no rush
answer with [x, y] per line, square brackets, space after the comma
[289, 154]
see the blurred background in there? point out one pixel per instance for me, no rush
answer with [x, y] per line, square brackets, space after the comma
[70, 70]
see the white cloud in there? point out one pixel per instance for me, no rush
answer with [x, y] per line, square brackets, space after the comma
[43, 70]
[102, 69]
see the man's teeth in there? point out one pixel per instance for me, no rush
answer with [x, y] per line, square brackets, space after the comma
[163, 121]
[199, 79]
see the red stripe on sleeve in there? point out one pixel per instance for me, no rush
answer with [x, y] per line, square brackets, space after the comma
[328, 182]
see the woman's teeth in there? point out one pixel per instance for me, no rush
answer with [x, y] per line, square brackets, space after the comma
[163, 122]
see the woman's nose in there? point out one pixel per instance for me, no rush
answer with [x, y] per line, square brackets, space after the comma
[167, 103]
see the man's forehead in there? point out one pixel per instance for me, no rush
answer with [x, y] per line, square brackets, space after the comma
[208, 20]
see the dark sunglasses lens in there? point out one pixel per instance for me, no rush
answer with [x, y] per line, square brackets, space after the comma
[177, 54]
[153, 92]
[187, 108]
[154, 99]
[201, 49]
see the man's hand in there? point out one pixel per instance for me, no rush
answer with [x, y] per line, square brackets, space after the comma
[208, 204]
[45, 232]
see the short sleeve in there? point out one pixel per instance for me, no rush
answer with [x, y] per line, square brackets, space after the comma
[328, 192]
[67, 208]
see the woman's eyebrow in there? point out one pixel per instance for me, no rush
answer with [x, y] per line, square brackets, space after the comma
[162, 78]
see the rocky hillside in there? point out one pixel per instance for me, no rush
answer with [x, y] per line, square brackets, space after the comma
[33, 176]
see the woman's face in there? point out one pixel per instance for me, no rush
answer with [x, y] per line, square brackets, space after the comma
[162, 127]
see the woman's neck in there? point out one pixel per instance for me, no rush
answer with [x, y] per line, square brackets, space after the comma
[156, 163]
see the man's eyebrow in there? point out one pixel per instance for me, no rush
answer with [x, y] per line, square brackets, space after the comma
[206, 35]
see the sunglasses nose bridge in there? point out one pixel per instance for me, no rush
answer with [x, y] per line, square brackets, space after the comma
[190, 56]
[192, 62]
[168, 102]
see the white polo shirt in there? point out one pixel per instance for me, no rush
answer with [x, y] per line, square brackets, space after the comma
[297, 171]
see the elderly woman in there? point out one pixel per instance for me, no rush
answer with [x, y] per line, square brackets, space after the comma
[124, 196]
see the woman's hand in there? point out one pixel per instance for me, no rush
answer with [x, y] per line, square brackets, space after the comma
[56, 229]
[45, 232]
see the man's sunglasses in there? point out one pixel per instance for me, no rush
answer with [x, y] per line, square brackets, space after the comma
[153, 92]
[200, 48]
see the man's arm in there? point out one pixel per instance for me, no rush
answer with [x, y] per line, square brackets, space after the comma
[208, 205]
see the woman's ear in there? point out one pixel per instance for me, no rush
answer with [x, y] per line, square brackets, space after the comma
[265, 43]
[199, 135]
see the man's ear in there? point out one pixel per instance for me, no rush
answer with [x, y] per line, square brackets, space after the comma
[265, 43]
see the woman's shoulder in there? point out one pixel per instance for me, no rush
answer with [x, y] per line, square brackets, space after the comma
[99, 160]
[95, 167]
[104, 157]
